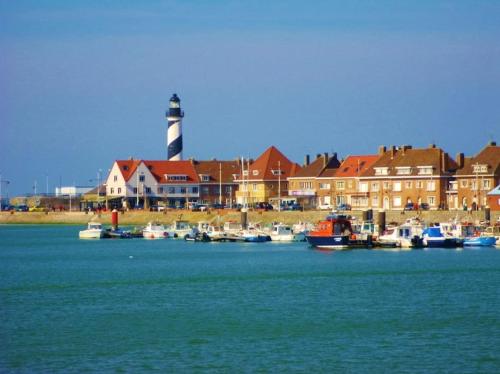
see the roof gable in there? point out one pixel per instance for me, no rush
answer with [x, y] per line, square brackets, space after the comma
[266, 165]
[489, 155]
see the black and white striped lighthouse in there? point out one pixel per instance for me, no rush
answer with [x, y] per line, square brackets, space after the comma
[174, 132]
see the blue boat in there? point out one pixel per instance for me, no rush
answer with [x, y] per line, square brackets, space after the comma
[480, 241]
[434, 238]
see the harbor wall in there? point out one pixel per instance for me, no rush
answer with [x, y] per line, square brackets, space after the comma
[288, 217]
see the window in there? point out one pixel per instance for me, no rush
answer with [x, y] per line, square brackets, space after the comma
[386, 185]
[171, 190]
[324, 186]
[112, 190]
[404, 170]
[480, 168]
[375, 201]
[115, 178]
[277, 172]
[419, 184]
[254, 186]
[408, 185]
[160, 190]
[148, 189]
[425, 170]
[141, 178]
[396, 201]
[119, 190]
[463, 183]
[375, 186]
[306, 185]
[431, 200]
[396, 186]
[205, 178]
[194, 190]
[349, 184]
[135, 190]
[431, 186]
[216, 190]
[473, 185]
[340, 185]
[176, 177]
[363, 187]
[255, 172]
[486, 184]
[381, 171]
[229, 189]
[204, 190]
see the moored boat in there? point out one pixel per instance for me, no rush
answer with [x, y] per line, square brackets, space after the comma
[480, 241]
[434, 238]
[154, 230]
[336, 233]
[94, 231]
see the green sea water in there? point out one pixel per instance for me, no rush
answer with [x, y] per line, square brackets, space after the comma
[68, 305]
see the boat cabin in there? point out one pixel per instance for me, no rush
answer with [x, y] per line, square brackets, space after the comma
[337, 225]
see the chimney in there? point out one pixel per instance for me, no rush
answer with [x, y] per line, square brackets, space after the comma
[460, 160]
[307, 160]
[444, 161]
[432, 145]
[393, 151]
[325, 159]
[381, 150]
[492, 143]
[405, 147]
[318, 155]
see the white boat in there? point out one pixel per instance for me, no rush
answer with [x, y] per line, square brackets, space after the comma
[94, 231]
[154, 230]
[406, 235]
[179, 229]
[284, 233]
[232, 228]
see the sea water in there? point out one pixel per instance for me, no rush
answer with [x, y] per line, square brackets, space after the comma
[70, 305]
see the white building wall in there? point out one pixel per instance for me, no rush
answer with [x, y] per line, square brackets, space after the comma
[111, 184]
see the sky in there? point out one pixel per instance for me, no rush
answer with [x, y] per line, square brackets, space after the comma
[84, 83]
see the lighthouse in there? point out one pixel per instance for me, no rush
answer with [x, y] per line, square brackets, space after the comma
[174, 132]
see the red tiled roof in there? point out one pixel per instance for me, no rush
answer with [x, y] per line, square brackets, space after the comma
[489, 155]
[211, 168]
[268, 161]
[318, 167]
[413, 158]
[159, 168]
[128, 167]
[354, 166]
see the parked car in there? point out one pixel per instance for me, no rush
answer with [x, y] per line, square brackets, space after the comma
[22, 208]
[410, 206]
[424, 206]
[344, 207]
[198, 208]
[217, 206]
[264, 206]
[325, 207]
[37, 209]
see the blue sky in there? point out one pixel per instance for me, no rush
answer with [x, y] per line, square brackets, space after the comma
[85, 83]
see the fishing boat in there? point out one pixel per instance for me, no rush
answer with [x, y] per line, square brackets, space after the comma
[282, 233]
[480, 241]
[94, 231]
[179, 229]
[155, 230]
[336, 233]
[252, 236]
[434, 238]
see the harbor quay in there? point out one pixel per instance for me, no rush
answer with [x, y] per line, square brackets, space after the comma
[133, 218]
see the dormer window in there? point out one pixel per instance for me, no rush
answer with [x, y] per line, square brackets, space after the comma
[205, 178]
[235, 176]
[480, 168]
[176, 178]
[255, 172]
[425, 170]
[403, 170]
[245, 173]
[125, 167]
[382, 171]
[277, 172]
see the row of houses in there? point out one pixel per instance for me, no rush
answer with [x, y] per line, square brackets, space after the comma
[389, 179]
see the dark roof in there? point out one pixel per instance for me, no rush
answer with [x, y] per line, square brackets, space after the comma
[489, 155]
[318, 166]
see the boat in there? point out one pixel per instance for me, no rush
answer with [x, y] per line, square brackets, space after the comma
[336, 233]
[493, 231]
[155, 230]
[117, 234]
[252, 236]
[402, 236]
[94, 231]
[179, 229]
[480, 241]
[282, 233]
[434, 238]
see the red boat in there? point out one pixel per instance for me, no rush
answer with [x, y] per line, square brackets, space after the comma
[336, 233]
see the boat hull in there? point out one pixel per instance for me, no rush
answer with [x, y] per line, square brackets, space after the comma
[442, 243]
[329, 242]
[91, 234]
[480, 241]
